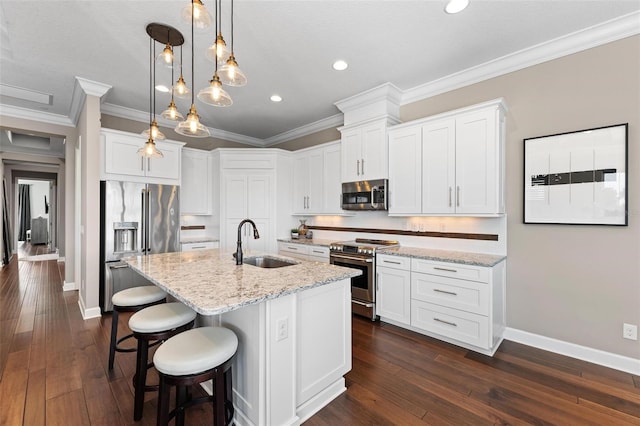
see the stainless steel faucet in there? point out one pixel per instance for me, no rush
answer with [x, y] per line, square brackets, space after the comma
[256, 235]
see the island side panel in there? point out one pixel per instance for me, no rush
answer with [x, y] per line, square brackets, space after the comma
[323, 345]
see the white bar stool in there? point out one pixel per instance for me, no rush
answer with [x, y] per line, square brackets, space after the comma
[131, 300]
[154, 324]
[190, 358]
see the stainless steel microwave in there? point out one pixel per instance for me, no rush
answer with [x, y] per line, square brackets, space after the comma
[365, 195]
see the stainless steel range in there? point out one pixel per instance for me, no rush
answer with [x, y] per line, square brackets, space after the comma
[361, 254]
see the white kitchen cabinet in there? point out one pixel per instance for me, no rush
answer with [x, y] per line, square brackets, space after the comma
[316, 180]
[393, 289]
[461, 163]
[304, 251]
[120, 159]
[364, 152]
[461, 304]
[202, 245]
[195, 189]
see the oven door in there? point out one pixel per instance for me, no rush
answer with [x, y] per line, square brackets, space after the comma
[362, 287]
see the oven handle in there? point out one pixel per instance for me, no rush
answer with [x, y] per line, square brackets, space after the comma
[357, 259]
[366, 305]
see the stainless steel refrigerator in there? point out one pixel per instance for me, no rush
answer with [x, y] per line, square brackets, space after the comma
[136, 219]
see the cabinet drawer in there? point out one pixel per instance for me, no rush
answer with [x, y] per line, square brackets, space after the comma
[198, 246]
[319, 252]
[469, 296]
[293, 248]
[395, 262]
[462, 326]
[452, 270]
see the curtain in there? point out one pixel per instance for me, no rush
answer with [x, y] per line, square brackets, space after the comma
[6, 229]
[24, 211]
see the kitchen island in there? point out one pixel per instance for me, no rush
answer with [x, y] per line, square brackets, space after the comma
[293, 325]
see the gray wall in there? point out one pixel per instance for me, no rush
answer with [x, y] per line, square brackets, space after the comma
[573, 283]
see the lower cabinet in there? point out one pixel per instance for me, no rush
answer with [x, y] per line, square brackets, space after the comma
[304, 252]
[458, 303]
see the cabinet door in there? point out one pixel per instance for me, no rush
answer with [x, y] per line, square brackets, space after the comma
[121, 155]
[438, 167]
[234, 197]
[351, 140]
[393, 295]
[332, 197]
[258, 197]
[316, 182]
[374, 152]
[262, 244]
[405, 171]
[167, 167]
[477, 163]
[195, 192]
[300, 183]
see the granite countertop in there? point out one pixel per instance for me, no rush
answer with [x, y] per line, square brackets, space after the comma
[308, 242]
[198, 240]
[209, 281]
[467, 258]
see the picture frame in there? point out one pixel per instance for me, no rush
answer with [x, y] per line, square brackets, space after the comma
[577, 178]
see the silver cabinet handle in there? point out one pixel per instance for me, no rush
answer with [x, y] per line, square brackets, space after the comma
[457, 196]
[148, 164]
[453, 324]
[391, 261]
[357, 302]
[437, 290]
[449, 196]
[317, 251]
[358, 167]
[118, 266]
[362, 166]
[292, 248]
[444, 269]
[308, 201]
[198, 247]
[142, 164]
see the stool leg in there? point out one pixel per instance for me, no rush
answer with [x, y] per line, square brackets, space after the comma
[228, 397]
[140, 378]
[181, 398]
[114, 333]
[218, 403]
[163, 403]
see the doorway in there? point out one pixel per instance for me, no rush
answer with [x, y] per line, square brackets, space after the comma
[36, 225]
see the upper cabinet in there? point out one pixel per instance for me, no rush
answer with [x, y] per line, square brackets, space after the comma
[120, 159]
[195, 191]
[451, 164]
[316, 180]
[364, 152]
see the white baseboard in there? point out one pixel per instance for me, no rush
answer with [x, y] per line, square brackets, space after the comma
[596, 356]
[60, 259]
[69, 286]
[88, 313]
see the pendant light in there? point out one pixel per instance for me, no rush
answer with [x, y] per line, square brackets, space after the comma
[149, 150]
[180, 89]
[218, 51]
[172, 113]
[165, 58]
[196, 14]
[230, 73]
[192, 126]
[214, 94]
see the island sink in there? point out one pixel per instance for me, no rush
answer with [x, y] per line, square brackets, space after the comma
[267, 262]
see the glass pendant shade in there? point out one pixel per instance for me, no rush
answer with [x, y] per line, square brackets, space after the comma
[192, 126]
[230, 73]
[180, 89]
[166, 57]
[214, 94]
[172, 113]
[201, 16]
[153, 132]
[149, 150]
[218, 50]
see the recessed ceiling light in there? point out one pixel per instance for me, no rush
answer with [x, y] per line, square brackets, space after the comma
[276, 98]
[162, 88]
[340, 65]
[455, 6]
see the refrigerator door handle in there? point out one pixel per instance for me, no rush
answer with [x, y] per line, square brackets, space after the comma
[143, 221]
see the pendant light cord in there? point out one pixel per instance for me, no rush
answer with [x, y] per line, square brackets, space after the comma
[216, 37]
[193, 8]
[153, 85]
[150, 82]
[232, 27]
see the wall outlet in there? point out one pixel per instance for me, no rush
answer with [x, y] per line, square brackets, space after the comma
[282, 329]
[630, 331]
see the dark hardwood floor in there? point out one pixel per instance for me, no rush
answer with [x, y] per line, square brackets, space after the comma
[53, 370]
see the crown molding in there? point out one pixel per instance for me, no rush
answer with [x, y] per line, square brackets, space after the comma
[597, 35]
[317, 126]
[35, 115]
[81, 89]
[143, 117]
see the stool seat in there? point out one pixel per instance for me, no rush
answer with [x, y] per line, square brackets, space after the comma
[195, 351]
[138, 296]
[159, 318]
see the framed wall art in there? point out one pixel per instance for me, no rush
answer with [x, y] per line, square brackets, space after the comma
[577, 177]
